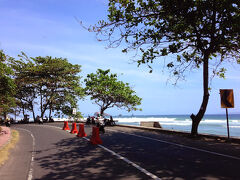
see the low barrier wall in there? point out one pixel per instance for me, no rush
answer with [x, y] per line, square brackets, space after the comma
[150, 124]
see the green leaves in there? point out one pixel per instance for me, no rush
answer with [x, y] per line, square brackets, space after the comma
[187, 31]
[53, 82]
[108, 92]
[221, 73]
[7, 85]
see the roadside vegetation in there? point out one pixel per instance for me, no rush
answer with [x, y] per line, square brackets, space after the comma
[7, 86]
[29, 83]
[49, 84]
[192, 34]
[53, 86]
[107, 92]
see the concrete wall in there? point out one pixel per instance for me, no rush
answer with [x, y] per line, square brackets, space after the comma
[150, 124]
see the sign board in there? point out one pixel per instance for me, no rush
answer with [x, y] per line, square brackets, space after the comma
[227, 99]
[74, 111]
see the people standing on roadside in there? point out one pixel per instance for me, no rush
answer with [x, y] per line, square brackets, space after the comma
[40, 120]
[7, 121]
[112, 122]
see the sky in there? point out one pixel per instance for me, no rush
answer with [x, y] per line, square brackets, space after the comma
[50, 28]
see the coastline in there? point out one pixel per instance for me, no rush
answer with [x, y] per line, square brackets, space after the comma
[184, 133]
[213, 126]
[171, 131]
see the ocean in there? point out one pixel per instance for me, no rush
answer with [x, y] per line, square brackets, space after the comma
[210, 124]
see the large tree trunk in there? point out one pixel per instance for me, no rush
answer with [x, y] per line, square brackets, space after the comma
[5, 116]
[197, 118]
[50, 112]
[34, 118]
[41, 103]
[101, 111]
[23, 109]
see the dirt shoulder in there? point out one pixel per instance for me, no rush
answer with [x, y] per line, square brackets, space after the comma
[7, 142]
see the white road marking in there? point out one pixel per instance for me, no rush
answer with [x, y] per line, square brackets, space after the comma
[30, 172]
[124, 159]
[179, 145]
[128, 161]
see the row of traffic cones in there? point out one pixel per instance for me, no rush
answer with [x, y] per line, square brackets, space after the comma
[95, 138]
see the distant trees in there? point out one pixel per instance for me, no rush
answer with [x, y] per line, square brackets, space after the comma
[197, 33]
[107, 91]
[52, 84]
[7, 86]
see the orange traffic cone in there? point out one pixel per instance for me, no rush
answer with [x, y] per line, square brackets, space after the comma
[65, 127]
[81, 132]
[74, 128]
[95, 139]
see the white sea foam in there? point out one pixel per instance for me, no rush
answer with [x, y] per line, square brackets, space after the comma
[163, 121]
[211, 121]
[213, 125]
[175, 121]
[234, 126]
[135, 119]
[235, 121]
[183, 123]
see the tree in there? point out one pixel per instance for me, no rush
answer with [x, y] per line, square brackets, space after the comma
[108, 92]
[7, 86]
[58, 84]
[51, 82]
[26, 92]
[197, 33]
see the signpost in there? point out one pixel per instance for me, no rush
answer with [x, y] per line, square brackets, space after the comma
[74, 111]
[227, 101]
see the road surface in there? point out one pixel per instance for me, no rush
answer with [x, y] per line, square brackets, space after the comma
[47, 152]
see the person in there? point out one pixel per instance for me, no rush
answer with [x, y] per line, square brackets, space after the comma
[88, 120]
[100, 124]
[1, 121]
[46, 119]
[7, 122]
[93, 121]
[51, 119]
[112, 122]
[106, 121]
[39, 120]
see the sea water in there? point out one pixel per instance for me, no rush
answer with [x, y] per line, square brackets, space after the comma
[210, 124]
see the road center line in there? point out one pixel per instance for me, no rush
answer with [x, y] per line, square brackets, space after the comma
[180, 145]
[30, 172]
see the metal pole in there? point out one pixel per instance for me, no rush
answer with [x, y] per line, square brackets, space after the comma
[227, 123]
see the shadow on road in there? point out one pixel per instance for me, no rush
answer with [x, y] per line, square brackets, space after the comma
[78, 159]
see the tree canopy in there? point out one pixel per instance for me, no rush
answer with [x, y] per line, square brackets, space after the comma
[107, 91]
[196, 33]
[7, 86]
[52, 84]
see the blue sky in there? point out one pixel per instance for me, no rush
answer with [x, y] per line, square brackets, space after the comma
[49, 27]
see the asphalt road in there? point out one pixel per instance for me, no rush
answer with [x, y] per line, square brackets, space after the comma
[47, 152]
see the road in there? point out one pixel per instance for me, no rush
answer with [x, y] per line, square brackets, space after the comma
[47, 152]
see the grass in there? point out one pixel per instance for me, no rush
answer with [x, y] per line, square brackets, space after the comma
[5, 150]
